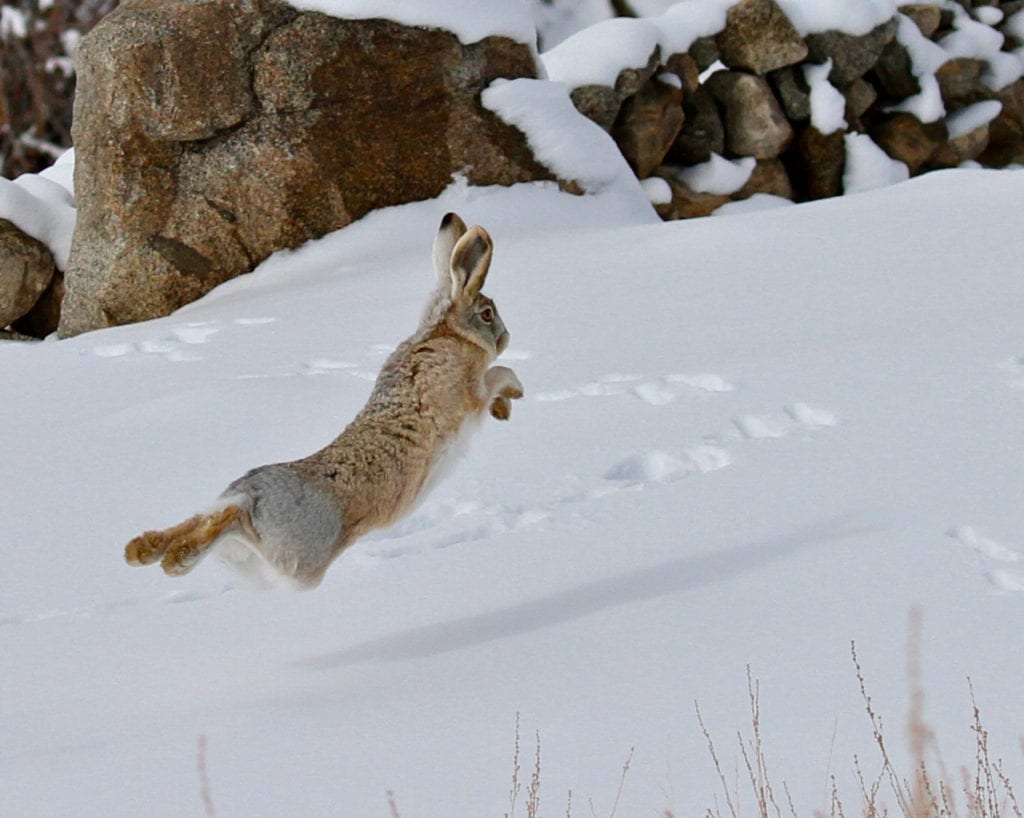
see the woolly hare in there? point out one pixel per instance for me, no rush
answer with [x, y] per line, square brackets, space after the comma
[290, 520]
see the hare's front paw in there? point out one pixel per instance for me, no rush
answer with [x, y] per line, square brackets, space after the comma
[503, 387]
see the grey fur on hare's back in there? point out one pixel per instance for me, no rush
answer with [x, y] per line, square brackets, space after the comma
[291, 520]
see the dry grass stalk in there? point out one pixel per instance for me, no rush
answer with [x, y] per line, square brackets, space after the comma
[618, 792]
[204, 778]
[393, 805]
[714, 812]
[513, 793]
[533, 792]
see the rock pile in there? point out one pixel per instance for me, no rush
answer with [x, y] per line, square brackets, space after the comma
[934, 86]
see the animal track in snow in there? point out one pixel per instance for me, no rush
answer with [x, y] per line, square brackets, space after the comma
[657, 391]
[657, 466]
[994, 557]
[109, 608]
[180, 342]
[1014, 368]
[796, 416]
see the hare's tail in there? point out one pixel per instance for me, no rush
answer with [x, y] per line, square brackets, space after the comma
[180, 548]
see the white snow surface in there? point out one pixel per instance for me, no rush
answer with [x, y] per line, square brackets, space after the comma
[469, 20]
[745, 441]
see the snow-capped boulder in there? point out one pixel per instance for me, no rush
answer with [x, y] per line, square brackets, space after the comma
[852, 55]
[211, 133]
[759, 37]
[26, 270]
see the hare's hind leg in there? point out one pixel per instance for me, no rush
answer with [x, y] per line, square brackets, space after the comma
[150, 547]
[189, 545]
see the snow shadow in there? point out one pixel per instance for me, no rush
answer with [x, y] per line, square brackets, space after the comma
[672, 577]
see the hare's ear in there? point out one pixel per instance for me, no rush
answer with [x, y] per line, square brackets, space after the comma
[470, 261]
[451, 230]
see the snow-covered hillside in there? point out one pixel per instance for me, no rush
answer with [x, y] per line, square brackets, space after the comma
[747, 440]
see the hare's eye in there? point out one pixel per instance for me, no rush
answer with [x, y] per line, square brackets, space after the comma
[487, 314]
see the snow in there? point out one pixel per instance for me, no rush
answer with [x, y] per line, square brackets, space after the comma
[815, 16]
[828, 105]
[43, 207]
[925, 58]
[759, 201]
[869, 167]
[989, 15]
[745, 441]
[972, 117]
[719, 175]
[12, 23]
[569, 144]
[659, 192]
[558, 20]
[976, 40]
[469, 20]
[596, 55]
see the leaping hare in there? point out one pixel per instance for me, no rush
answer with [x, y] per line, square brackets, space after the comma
[290, 520]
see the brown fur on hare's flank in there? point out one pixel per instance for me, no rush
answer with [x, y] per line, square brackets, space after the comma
[290, 520]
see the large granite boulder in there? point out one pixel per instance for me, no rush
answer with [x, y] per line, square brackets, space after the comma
[211, 133]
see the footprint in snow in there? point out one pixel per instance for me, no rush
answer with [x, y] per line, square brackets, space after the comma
[652, 391]
[796, 416]
[994, 557]
[1014, 369]
[657, 466]
[457, 523]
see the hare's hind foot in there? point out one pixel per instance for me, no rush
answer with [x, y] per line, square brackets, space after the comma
[183, 552]
[150, 547]
[146, 548]
[181, 547]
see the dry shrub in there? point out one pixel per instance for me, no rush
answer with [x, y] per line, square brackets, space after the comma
[926, 791]
[38, 39]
